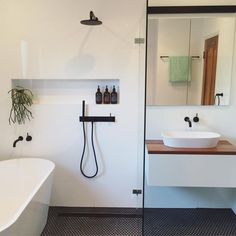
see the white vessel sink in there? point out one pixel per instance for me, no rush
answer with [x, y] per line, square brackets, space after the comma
[190, 139]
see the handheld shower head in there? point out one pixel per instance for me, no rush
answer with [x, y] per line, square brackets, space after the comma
[92, 21]
[83, 108]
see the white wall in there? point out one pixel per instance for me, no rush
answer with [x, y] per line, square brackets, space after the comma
[152, 60]
[219, 119]
[196, 49]
[44, 39]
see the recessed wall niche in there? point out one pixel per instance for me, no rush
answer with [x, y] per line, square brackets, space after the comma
[65, 91]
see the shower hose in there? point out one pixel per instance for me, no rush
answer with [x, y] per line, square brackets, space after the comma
[94, 153]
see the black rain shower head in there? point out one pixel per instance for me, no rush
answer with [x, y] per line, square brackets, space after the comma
[92, 21]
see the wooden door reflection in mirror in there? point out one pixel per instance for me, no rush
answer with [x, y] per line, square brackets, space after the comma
[209, 77]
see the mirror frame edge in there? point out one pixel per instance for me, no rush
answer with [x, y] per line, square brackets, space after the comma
[187, 9]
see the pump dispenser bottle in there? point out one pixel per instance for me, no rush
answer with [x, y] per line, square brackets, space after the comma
[98, 96]
[106, 96]
[114, 96]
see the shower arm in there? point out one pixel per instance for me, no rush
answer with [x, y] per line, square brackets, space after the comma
[92, 16]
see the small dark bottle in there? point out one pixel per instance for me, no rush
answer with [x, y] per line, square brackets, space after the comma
[98, 96]
[106, 96]
[114, 96]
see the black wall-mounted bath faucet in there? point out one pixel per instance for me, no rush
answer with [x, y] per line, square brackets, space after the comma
[16, 141]
[187, 119]
[28, 138]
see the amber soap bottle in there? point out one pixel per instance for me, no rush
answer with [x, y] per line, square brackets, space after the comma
[114, 96]
[98, 96]
[106, 96]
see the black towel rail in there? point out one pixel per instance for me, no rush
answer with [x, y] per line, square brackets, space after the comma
[166, 57]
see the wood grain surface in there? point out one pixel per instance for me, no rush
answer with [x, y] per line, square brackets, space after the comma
[223, 148]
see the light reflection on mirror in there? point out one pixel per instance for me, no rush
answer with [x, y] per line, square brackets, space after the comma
[189, 59]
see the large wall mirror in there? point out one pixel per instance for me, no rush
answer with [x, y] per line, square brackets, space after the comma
[189, 56]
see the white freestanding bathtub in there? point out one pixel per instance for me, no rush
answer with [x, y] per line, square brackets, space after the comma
[25, 189]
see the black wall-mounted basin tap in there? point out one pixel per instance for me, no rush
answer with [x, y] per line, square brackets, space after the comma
[187, 119]
[16, 141]
[196, 118]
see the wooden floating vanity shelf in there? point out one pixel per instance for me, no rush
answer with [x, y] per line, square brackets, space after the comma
[191, 167]
[223, 148]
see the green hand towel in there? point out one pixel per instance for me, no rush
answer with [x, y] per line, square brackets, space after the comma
[180, 69]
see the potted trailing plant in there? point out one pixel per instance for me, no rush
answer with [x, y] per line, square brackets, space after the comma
[22, 99]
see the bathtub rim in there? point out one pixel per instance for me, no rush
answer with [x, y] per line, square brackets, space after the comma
[33, 193]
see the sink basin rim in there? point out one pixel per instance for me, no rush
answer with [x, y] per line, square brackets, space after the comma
[190, 139]
[190, 134]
